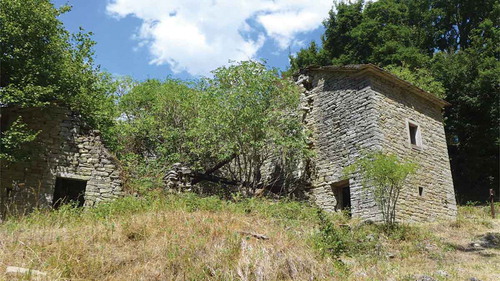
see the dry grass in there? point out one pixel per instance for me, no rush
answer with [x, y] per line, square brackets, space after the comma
[189, 238]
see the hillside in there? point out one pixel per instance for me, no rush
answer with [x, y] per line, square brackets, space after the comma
[185, 237]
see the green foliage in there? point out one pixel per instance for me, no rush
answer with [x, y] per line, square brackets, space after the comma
[449, 48]
[42, 63]
[244, 115]
[383, 32]
[420, 77]
[472, 77]
[155, 119]
[330, 239]
[384, 175]
[13, 140]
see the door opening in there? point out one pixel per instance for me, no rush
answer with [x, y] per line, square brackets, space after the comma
[342, 194]
[69, 191]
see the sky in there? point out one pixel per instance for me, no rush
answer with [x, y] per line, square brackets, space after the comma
[186, 39]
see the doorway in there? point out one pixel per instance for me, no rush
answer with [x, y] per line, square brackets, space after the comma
[342, 194]
[69, 191]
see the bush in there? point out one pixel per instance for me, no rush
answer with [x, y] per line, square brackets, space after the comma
[385, 174]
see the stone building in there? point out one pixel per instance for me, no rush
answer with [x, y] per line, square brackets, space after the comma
[353, 109]
[68, 162]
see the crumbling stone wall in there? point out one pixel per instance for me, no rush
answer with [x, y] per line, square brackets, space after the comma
[352, 112]
[64, 148]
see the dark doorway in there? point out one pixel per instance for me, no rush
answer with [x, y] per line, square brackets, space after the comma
[69, 191]
[342, 195]
[346, 198]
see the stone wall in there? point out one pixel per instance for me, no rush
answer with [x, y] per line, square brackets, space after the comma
[64, 148]
[340, 112]
[352, 112]
[397, 108]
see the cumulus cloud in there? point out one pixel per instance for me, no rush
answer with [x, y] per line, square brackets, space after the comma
[198, 36]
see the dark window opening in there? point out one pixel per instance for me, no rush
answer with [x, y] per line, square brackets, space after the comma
[420, 190]
[342, 194]
[69, 191]
[413, 133]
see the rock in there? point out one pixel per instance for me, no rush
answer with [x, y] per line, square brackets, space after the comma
[424, 278]
[442, 273]
[475, 245]
[473, 279]
[21, 270]
[370, 237]
[367, 222]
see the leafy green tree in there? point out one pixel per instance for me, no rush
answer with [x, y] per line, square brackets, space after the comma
[384, 175]
[225, 128]
[449, 48]
[43, 64]
[420, 77]
[471, 78]
[12, 142]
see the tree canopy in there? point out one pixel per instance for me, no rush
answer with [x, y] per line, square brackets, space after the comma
[229, 125]
[42, 63]
[449, 48]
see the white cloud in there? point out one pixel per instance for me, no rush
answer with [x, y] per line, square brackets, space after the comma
[198, 36]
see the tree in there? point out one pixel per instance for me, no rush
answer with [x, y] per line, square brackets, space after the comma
[471, 78]
[224, 128]
[450, 48]
[384, 175]
[42, 64]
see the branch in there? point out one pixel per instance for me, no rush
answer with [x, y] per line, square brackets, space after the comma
[199, 177]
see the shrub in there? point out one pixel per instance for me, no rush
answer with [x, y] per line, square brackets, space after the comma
[385, 174]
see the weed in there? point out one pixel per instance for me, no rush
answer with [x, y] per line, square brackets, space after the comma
[330, 238]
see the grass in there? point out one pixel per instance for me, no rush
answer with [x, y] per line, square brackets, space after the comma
[187, 237]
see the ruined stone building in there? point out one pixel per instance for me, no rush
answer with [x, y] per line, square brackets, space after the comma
[357, 108]
[348, 110]
[69, 163]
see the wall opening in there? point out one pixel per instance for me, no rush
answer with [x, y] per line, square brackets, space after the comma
[414, 134]
[342, 194]
[420, 190]
[69, 191]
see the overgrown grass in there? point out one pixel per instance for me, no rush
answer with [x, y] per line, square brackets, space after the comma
[188, 237]
[286, 211]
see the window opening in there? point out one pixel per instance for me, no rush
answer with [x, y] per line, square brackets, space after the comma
[413, 133]
[420, 190]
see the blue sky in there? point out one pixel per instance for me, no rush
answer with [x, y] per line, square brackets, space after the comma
[188, 38]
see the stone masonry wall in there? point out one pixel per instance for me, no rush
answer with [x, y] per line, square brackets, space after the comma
[340, 112]
[63, 148]
[396, 108]
[349, 113]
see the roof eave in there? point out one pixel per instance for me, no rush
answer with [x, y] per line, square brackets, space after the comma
[379, 72]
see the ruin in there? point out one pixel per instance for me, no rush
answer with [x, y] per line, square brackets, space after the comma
[69, 163]
[348, 110]
[352, 109]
